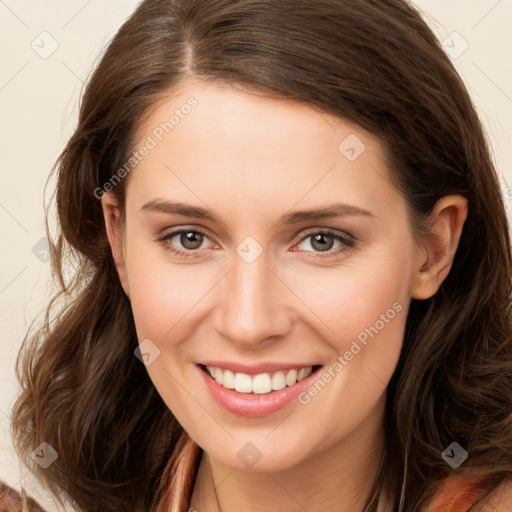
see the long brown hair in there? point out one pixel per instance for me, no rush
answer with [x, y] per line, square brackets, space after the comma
[373, 62]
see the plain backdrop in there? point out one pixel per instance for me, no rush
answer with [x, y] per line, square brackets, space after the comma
[48, 49]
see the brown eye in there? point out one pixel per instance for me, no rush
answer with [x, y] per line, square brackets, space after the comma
[184, 242]
[322, 242]
[191, 239]
[327, 242]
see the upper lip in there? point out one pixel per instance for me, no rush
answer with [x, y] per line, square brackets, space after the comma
[255, 369]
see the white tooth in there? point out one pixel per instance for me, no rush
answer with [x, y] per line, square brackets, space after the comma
[261, 384]
[218, 375]
[291, 377]
[229, 379]
[278, 381]
[243, 383]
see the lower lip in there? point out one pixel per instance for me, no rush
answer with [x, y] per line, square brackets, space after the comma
[254, 405]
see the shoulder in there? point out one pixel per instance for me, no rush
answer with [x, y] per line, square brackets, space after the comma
[500, 500]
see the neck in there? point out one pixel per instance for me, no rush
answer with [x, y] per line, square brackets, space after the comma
[338, 478]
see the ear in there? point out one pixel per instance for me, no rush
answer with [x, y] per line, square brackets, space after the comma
[113, 225]
[434, 255]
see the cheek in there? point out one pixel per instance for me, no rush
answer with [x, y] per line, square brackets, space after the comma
[360, 294]
[362, 313]
[162, 295]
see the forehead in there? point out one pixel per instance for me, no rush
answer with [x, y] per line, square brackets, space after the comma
[238, 113]
[227, 144]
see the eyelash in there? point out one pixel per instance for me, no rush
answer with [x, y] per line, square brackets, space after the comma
[349, 243]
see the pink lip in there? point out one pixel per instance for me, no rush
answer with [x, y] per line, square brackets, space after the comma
[253, 405]
[268, 367]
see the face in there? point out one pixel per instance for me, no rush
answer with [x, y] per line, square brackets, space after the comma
[261, 237]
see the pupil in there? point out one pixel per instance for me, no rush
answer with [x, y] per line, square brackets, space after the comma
[322, 246]
[190, 238]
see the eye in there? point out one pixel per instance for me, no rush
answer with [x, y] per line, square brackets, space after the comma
[323, 241]
[190, 239]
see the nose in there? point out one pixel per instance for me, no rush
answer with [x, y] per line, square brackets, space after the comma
[253, 305]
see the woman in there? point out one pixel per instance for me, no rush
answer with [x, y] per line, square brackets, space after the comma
[293, 282]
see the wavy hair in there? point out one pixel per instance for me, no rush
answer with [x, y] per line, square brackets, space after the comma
[373, 62]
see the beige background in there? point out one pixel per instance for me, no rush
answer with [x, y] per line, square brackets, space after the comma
[39, 97]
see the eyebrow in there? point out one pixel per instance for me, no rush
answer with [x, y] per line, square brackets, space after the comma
[294, 217]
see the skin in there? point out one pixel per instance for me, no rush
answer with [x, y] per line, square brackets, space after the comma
[249, 160]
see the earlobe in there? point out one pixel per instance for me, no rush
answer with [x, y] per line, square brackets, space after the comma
[435, 256]
[113, 226]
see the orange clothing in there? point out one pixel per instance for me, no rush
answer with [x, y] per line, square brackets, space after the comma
[456, 495]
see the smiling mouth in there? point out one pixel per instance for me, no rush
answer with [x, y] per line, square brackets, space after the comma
[260, 384]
